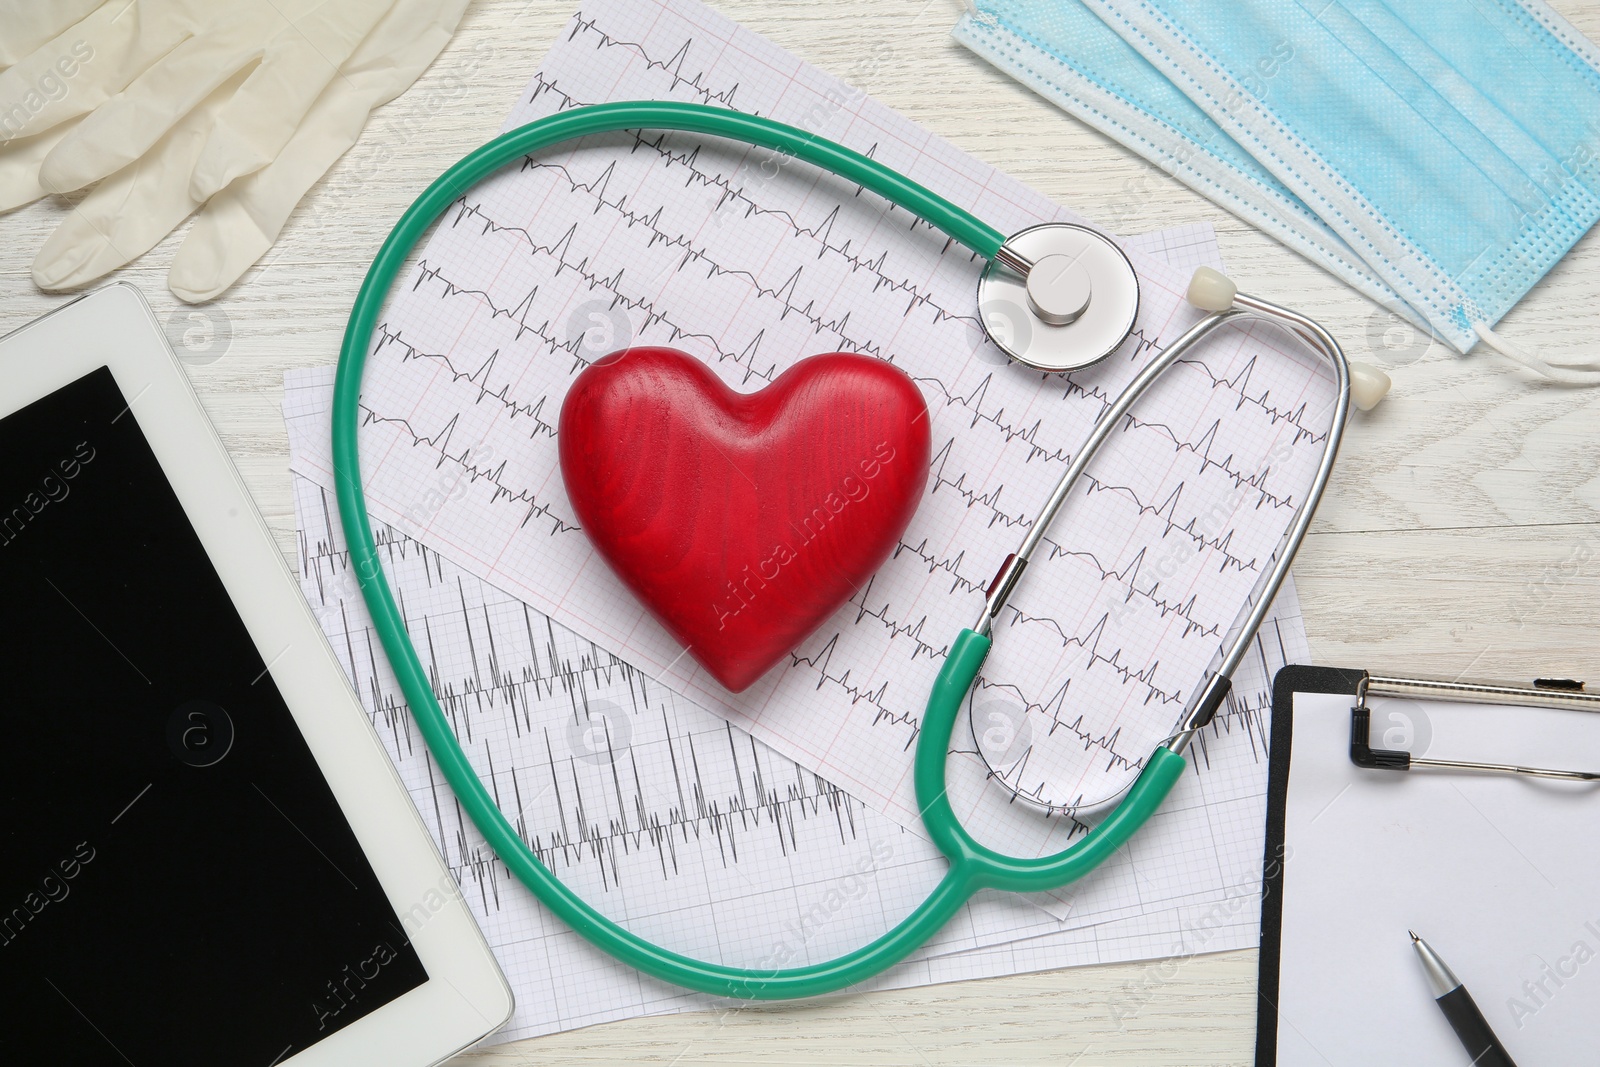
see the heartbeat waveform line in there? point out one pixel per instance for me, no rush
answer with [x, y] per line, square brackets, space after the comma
[1142, 343]
[499, 681]
[1029, 436]
[783, 294]
[1239, 384]
[672, 65]
[1166, 511]
[535, 508]
[1202, 450]
[631, 827]
[631, 824]
[895, 629]
[1089, 643]
[791, 290]
[1243, 711]
[1126, 578]
[898, 629]
[874, 697]
[1236, 383]
[514, 408]
[951, 565]
[727, 192]
[478, 377]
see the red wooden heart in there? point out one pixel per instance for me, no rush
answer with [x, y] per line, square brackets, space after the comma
[743, 520]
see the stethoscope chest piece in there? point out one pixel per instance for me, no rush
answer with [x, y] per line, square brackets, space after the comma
[1073, 306]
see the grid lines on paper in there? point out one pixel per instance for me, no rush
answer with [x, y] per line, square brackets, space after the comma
[691, 832]
[690, 242]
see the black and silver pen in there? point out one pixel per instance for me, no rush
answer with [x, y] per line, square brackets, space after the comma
[1463, 1015]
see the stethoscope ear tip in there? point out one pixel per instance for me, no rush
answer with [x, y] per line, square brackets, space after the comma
[1211, 290]
[1368, 385]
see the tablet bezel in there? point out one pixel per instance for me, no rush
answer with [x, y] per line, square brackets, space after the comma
[466, 997]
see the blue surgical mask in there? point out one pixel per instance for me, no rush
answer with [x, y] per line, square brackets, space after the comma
[1061, 50]
[1454, 146]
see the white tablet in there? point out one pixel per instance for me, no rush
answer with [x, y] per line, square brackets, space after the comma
[208, 858]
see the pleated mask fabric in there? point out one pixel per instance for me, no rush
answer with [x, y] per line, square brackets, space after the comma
[1454, 146]
[1065, 53]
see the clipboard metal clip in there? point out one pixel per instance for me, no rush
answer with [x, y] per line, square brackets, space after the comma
[1362, 754]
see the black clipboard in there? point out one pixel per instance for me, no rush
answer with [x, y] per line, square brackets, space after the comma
[1288, 681]
[1358, 685]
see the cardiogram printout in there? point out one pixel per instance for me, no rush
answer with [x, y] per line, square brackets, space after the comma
[691, 832]
[750, 262]
[588, 749]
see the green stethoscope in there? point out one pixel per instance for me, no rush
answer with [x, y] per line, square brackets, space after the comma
[1076, 286]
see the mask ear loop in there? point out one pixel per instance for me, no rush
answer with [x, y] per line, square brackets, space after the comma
[1584, 371]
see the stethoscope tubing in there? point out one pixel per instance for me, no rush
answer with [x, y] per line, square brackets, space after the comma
[972, 865]
[389, 622]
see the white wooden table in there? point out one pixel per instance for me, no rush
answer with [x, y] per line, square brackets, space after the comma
[1461, 535]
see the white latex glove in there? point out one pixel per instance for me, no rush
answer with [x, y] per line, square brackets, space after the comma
[296, 66]
[135, 68]
[130, 212]
[162, 57]
[135, 208]
[27, 24]
[240, 224]
[20, 160]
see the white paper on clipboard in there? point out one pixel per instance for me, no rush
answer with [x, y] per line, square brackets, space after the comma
[1496, 872]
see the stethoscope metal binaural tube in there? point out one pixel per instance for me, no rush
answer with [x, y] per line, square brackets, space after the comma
[972, 865]
[1210, 695]
[1311, 332]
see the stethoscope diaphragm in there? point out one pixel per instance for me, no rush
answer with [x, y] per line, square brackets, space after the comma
[1075, 306]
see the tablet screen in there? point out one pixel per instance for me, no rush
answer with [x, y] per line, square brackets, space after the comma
[178, 885]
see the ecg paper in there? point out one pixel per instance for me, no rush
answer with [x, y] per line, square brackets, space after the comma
[690, 831]
[1168, 898]
[749, 263]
